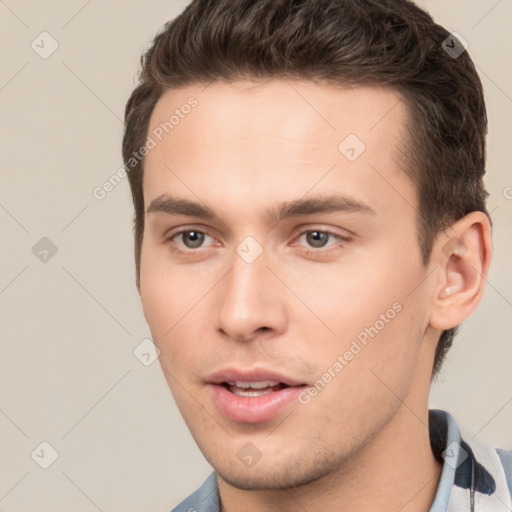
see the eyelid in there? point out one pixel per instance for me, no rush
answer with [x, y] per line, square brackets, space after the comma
[324, 228]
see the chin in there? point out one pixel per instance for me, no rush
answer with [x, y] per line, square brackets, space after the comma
[271, 476]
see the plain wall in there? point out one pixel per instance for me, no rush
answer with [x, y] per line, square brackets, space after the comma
[68, 375]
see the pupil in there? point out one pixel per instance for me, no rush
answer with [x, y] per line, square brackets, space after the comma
[196, 238]
[317, 238]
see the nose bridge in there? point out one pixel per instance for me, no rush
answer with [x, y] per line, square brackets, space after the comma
[248, 300]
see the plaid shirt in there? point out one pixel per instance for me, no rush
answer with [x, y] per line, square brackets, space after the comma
[476, 477]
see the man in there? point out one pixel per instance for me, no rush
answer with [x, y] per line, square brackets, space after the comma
[310, 230]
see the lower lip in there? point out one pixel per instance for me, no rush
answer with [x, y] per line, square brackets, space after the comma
[253, 409]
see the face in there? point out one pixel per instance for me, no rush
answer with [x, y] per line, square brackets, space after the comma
[281, 274]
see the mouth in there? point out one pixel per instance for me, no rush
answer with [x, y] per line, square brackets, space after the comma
[258, 388]
[253, 396]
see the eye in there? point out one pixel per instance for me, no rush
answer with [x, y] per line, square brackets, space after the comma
[318, 238]
[190, 238]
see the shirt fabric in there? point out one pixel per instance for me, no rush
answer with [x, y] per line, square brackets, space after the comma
[475, 477]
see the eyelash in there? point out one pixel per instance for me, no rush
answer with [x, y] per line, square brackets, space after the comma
[318, 250]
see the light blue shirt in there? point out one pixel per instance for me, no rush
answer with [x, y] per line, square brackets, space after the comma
[475, 477]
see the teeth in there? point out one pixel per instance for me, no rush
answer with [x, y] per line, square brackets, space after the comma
[256, 388]
[247, 392]
[262, 384]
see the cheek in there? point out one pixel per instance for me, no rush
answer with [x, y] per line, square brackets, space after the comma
[168, 306]
[170, 300]
[388, 350]
[376, 321]
[360, 380]
[348, 298]
[160, 304]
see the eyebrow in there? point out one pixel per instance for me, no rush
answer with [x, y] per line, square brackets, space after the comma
[323, 204]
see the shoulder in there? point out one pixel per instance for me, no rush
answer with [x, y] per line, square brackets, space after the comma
[203, 499]
[472, 469]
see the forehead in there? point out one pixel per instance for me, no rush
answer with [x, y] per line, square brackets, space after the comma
[277, 137]
[298, 110]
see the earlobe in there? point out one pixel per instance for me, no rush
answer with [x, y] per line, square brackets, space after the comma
[463, 261]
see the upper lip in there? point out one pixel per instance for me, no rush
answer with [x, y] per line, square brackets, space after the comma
[250, 375]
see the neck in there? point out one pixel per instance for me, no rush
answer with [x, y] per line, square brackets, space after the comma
[394, 471]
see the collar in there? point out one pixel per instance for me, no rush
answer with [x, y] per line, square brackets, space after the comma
[476, 477]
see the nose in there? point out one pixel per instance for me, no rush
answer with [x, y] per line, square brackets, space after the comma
[250, 300]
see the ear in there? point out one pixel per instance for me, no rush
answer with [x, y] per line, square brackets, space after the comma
[462, 254]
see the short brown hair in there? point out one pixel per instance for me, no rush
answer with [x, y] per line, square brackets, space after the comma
[390, 43]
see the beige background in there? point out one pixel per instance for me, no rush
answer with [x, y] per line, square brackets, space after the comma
[68, 375]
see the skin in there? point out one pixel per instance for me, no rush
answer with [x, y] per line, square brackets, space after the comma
[362, 443]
